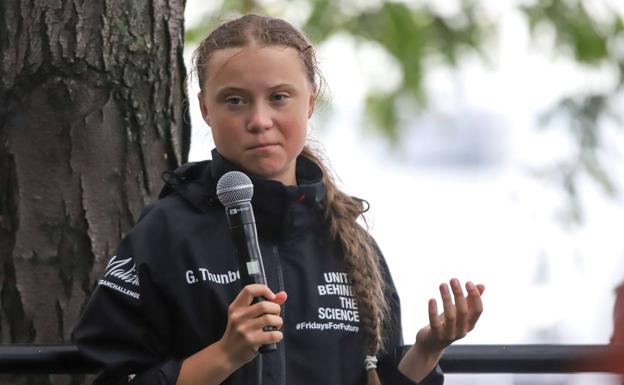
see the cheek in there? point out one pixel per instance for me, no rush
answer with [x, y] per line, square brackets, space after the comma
[296, 131]
[222, 136]
[295, 123]
[222, 124]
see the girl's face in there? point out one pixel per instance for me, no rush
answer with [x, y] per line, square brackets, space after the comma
[257, 100]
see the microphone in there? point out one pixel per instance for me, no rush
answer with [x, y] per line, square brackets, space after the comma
[234, 190]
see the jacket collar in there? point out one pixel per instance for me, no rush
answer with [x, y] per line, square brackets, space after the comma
[196, 182]
[309, 187]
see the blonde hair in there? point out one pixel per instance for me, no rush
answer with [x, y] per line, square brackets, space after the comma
[341, 211]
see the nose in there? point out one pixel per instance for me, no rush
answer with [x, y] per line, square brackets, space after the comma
[260, 118]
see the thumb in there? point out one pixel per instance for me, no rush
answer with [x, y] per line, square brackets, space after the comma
[280, 298]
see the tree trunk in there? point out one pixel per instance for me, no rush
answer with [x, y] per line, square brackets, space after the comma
[91, 112]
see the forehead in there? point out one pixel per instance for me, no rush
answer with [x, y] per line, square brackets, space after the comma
[256, 64]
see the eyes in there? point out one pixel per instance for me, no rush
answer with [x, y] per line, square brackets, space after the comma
[236, 100]
[279, 97]
[233, 100]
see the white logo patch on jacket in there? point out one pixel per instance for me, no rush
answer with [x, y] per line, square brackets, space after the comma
[124, 270]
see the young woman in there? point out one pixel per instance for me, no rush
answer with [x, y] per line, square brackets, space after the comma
[169, 308]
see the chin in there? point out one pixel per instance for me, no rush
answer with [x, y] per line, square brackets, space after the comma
[268, 170]
[269, 174]
[277, 174]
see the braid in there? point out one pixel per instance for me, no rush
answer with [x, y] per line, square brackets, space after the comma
[360, 259]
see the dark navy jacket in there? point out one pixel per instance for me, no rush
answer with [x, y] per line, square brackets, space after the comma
[165, 294]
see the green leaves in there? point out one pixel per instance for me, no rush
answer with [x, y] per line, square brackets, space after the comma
[418, 37]
[412, 34]
[592, 43]
[575, 28]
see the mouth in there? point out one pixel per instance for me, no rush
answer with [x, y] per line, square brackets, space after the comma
[263, 146]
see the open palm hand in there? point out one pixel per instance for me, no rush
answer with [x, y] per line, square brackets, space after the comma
[461, 313]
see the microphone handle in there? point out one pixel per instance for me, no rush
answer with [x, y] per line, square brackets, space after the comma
[245, 240]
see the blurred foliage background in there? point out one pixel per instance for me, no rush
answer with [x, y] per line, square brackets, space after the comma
[415, 34]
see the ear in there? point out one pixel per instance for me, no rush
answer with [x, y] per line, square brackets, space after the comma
[203, 108]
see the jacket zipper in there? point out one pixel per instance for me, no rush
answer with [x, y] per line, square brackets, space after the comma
[280, 280]
[259, 370]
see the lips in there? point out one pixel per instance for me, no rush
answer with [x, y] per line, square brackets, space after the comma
[262, 146]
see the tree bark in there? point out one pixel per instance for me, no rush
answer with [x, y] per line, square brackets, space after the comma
[91, 112]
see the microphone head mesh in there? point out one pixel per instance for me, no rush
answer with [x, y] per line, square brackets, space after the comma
[234, 187]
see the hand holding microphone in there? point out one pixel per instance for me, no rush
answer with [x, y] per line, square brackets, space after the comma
[257, 324]
[246, 333]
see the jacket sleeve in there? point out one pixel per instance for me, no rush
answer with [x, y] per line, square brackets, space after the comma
[392, 353]
[124, 326]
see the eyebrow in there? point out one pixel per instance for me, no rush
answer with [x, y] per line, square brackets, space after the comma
[230, 89]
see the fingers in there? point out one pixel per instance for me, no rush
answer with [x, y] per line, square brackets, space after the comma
[450, 314]
[247, 294]
[475, 303]
[461, 311]
[266, 320]
[280, 298]
[241, 309]
[261, 337]
[435, 321]
[255, 330]
[251, 325]
[247, 337]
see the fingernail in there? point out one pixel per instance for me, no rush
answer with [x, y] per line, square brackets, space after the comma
[469, 285]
